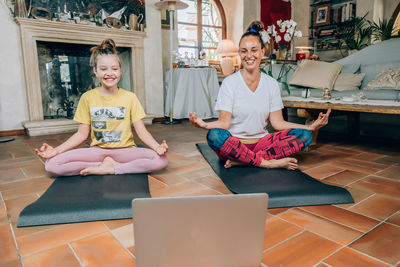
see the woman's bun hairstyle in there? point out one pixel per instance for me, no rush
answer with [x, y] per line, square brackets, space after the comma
[254, 29]
[107, 47]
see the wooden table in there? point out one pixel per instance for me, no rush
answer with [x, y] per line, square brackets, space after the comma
[309, 108]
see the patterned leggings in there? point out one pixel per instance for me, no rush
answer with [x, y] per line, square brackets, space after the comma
[272, 146]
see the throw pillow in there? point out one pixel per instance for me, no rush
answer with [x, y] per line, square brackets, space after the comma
[386, 79]
[371, 70]
[350, 68]
[348, 81]
[315, 74]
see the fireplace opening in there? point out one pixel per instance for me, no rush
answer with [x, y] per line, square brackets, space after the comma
[65, 74]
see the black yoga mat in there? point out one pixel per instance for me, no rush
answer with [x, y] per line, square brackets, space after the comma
[285, 188]
[86, 198]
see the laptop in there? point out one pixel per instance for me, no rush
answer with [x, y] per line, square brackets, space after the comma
[223, 230]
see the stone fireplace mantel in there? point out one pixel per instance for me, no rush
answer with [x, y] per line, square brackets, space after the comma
[33, 30]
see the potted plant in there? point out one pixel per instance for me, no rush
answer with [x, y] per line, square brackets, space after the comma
[355, 33]
[382, 30]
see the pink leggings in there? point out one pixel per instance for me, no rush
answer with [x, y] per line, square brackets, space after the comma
[129, 160]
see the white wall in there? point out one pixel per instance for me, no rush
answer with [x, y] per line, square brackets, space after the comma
[389, 7]
[299, 8]
[13, 102]
[153, 60]
[251, 12]
[234, 19]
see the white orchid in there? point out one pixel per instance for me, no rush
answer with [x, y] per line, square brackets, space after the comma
[288, 27]
[287, 37]
[265, 37]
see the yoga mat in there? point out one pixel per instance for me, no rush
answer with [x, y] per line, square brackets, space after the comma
[285, 188]
[86, 198]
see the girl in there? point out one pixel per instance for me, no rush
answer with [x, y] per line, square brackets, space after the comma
[107, 112]
[246, 101]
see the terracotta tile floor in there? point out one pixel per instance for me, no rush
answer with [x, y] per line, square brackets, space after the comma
[366, 233]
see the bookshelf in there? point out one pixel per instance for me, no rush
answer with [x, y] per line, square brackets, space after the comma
[325, 17]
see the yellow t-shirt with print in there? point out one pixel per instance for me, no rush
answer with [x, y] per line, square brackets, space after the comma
[110, 117]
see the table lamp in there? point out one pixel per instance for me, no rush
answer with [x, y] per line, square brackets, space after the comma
[171, 6]
[227, 49]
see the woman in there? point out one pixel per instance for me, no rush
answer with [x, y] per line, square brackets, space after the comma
[107, 112]
[246, 101]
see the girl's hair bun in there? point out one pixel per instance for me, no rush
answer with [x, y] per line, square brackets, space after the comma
[256, 26]
[254, 29]
[107, 47]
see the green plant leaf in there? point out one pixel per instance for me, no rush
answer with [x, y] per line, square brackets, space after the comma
[286, 87]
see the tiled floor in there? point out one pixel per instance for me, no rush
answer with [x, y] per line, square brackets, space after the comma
[366, 233]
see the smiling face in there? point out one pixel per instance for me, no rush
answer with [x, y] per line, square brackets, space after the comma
[251, 52]
[108, 71]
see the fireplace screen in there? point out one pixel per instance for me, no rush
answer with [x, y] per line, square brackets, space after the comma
[65, 74]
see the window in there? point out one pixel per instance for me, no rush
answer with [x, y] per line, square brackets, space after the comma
[200, 27]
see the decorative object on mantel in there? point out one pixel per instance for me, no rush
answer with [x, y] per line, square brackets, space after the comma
[20, 9]
[171, 6]
[134, 21]
[112, 22]
[41, 13]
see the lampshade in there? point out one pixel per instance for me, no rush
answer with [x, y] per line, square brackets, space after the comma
[171, 4]
[227, 48]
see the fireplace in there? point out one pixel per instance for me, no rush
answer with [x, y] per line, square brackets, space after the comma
[55, 56]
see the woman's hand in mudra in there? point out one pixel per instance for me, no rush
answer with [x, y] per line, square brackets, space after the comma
[162, 149]
[46, 151]
[196, 121]
[321, 121]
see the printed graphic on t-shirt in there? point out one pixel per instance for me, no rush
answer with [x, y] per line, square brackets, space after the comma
[99, 124]
[108, 136]
[107, 113]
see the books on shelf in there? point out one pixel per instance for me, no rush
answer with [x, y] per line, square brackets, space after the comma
[346, 12]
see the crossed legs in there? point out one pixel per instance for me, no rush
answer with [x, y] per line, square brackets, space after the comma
[272, 151]
[95, 160]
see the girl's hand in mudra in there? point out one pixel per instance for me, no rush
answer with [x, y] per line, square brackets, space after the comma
[162, 149]
[321, 121]
[196, 121]
[46, 151]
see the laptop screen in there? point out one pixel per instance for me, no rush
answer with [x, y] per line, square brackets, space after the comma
[223, 230]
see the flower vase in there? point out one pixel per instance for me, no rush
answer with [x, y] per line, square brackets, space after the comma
[283, 49]
[269, 48]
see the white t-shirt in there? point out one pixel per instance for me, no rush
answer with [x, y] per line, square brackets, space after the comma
[250, 110]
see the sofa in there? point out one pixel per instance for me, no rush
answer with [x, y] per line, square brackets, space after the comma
[370, 60]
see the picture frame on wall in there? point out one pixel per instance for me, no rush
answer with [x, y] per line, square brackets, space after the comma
[322, 14]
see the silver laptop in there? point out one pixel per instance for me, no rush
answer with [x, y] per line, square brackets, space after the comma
[225, 230]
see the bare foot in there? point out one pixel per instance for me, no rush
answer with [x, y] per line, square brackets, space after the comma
[287, 163]
[230, 163]
[106, 167]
